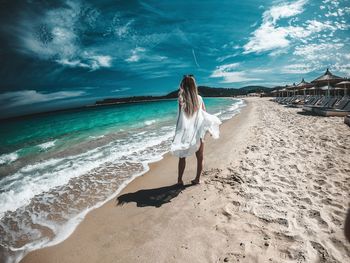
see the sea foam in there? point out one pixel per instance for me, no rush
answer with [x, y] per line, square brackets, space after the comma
[66, 188]
[150, 122]
[8, 158]
[46, 145]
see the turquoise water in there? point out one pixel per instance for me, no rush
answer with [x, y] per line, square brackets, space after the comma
[27, 136]
[56, 167]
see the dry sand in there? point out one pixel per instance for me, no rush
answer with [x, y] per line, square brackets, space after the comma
[276, 188]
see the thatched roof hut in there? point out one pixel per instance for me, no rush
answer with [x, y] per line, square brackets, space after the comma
[327, 78]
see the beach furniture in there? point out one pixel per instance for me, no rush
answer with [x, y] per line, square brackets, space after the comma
[288, 100]
[312, 100]
[325, 102]
[296, 101]
[304, 86]
[345, 84]
[340, 110]
[327, 79]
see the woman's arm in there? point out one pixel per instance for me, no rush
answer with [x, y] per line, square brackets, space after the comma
[203, 106]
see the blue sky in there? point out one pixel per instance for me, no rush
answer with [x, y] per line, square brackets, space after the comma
[66, 53]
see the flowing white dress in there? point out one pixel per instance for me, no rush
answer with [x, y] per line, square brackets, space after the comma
[190, 130]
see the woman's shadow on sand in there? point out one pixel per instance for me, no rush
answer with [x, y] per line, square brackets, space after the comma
[152, 197]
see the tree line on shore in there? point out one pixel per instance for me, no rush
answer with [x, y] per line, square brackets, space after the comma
[204, 91]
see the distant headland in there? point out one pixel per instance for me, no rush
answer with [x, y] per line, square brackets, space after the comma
[204, 91]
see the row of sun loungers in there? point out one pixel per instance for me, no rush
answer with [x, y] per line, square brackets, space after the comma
[339, 108]
[320, 105]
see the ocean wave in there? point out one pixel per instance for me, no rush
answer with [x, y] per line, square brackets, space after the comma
[46, 145]
[67, 188]
[64, 199]
[96, 137]
[21, 187]
[232, 110]
[8, 158]
[150, 122]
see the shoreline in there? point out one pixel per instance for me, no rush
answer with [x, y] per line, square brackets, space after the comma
[124, 188]
[274, 189]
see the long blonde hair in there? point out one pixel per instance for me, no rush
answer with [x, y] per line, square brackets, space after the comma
[188, 95]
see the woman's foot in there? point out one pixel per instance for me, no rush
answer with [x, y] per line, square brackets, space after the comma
[180, 183]
[195, 181]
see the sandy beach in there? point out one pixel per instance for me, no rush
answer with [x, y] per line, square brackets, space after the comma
[276, 188]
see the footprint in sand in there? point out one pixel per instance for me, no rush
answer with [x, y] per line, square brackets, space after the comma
[328, 201]
[339, 245]
[233, 257]
[322, 253]
[306, 200]
[296, 256]
[317, 215]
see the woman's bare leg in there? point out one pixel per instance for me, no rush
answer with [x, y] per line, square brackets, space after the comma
[181, 169]
[200, 157]
[347, 226]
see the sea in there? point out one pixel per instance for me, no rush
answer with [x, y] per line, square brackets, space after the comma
[56, 167]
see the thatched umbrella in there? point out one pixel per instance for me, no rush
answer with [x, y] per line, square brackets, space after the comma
[290, 88]
[275, 92]
[283, 90]
[327, 78]
[314, 89]
[295, 89]
[345, 84]
[303, 85]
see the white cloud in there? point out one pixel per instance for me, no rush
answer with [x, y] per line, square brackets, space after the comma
[314, 26]
[318, 56]
[223, 58]
[72, 63]
[103, 61]
[266, 37]
[121, 89]
[139, 54]
[91, 62]
[53, 36]
[135, 54]
[317, 52]
[297, 69]
[277, 39]
[269, 36]
[343, 68]
[229, 76]
[120, 28]
[28, 97]
[284, 10]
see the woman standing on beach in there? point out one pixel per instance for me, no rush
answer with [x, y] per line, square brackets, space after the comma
[192, 123]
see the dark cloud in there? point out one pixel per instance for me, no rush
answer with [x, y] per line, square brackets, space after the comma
[53, 46]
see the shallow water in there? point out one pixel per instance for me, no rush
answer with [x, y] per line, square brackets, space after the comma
[56, 167]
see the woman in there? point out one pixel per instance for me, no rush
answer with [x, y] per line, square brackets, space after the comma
[192, 123]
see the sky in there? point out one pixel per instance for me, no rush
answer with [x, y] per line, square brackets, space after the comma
[57, 54]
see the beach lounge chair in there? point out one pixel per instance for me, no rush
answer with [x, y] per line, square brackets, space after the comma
[339, 104]
[296, 101]
[341, 110]
[326, 102]
[312, 100]
[288, 100]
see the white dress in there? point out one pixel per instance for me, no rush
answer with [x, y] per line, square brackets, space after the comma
[190, 130]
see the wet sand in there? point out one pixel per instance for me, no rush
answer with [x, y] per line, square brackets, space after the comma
[276, 188]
